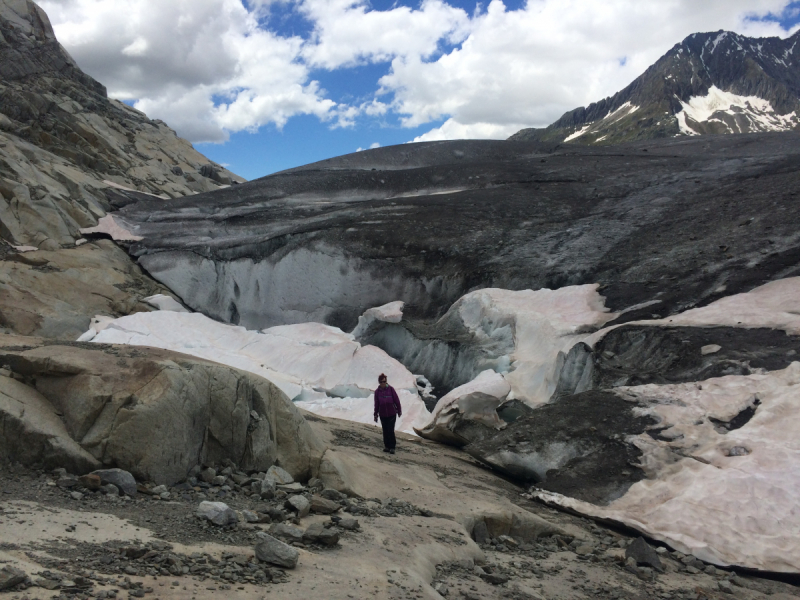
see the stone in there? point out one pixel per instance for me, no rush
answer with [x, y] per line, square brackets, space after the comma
[158, 490]
[299, 504]
[319, 534]
[91, 482]
[279, 475]
[725, 586]
[480, 533]
[120, 478]
[331, 494]
[290, 532]
[495, 578]
[323, 506]
[265, 488]
[250, 517]
[275, 552]
[584, 549]
[219, 480]
[10, 577]
[349, 524]
[110, 489]
[644, 554]
[208, 474]
[76, 495]
[218, 513]
[68, 482]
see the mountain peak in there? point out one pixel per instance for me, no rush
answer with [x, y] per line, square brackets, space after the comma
[713, 82]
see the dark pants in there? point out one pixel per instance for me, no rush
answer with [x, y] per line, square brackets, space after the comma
[387, 423]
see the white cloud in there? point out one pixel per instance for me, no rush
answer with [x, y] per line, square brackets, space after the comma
[453, 130]
[210, 67]
[530, 66]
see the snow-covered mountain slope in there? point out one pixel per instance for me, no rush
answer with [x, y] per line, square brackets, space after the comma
[711, 83]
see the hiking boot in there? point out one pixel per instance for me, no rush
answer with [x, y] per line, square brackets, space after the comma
[387, 450]
[391, 451]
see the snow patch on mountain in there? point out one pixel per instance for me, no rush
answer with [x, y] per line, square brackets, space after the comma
[737, 114]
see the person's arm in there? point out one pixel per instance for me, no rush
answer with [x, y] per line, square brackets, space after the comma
[397, 403]
[375, 396]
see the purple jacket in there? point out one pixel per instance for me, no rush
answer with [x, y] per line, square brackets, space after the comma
[387, 404]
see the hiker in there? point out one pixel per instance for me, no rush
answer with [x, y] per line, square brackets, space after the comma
[387, 407]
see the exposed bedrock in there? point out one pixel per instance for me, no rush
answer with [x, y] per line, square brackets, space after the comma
[662, 226]
[152, 412]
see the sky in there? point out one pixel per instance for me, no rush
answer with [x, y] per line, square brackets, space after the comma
[265, 85]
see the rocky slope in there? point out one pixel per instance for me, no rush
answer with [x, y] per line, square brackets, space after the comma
[64, 144]
[710, 83]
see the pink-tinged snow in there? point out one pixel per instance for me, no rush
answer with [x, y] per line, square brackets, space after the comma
[727, 497]
[536, 325]
[775, 305]
[300, 359]
[110, 227]
[477, 400]
[760, 112]
[361, 410]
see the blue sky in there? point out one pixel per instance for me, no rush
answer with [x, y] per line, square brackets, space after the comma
[265, 85]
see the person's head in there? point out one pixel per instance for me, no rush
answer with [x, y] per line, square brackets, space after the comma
[382, 380]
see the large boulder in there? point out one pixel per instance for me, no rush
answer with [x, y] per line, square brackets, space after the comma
[469, 412]
[157, 414]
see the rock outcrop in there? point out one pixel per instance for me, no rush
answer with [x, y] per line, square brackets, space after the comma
[64, 145]
[152, 412]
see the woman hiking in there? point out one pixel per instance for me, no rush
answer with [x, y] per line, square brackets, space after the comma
[387, 407]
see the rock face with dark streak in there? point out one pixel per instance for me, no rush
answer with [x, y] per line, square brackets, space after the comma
[663, 226]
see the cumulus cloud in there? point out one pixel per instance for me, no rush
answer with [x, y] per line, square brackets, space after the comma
[210, 67]
[532, 65]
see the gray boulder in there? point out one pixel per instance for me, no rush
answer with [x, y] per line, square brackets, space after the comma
[275, 552]
[323, 506]
[11, 576]
[279, 475]
[290, 532]
[218, 513]
[154, 413]
[319, 534]
[124, 481]
[300, 505]
[640, 551]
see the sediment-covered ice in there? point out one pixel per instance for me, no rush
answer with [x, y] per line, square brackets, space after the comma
[306, 361]
[727, 496]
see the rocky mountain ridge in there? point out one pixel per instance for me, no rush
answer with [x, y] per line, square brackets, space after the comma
[710, 83]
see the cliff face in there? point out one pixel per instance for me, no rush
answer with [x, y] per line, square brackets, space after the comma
[65, 146]
[710, 83]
